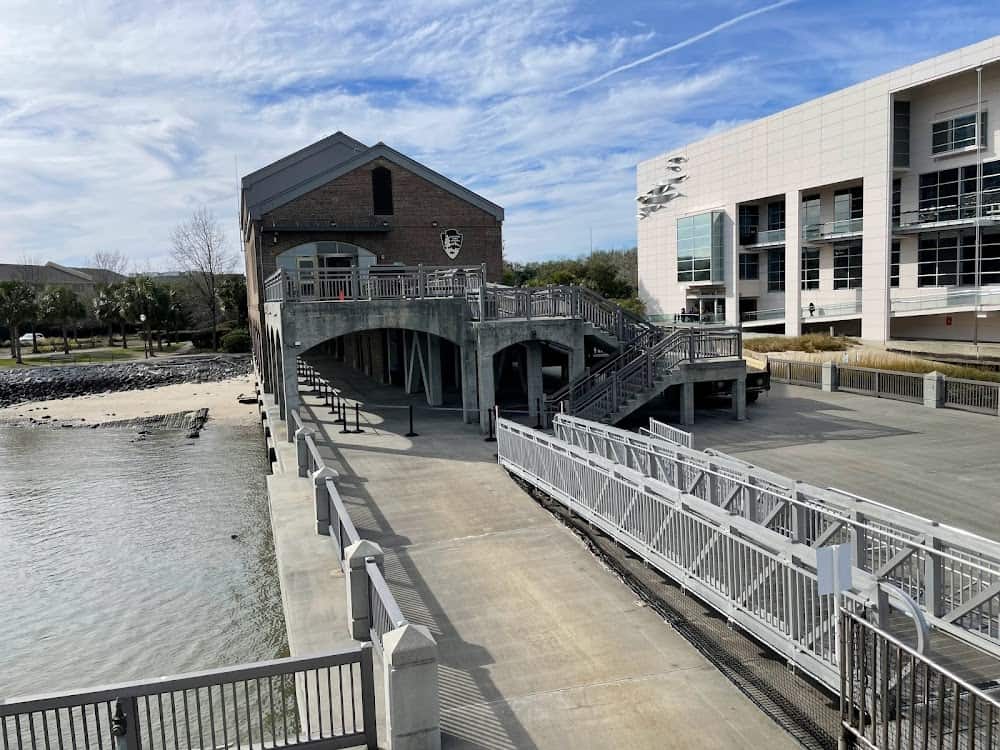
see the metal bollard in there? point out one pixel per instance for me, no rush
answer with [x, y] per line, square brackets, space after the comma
[343, 418]
[539, 424]
[491, 438]
[411, 433]
[357, 418]
[334, 404]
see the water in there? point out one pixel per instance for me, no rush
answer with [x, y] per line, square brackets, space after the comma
[116, 561]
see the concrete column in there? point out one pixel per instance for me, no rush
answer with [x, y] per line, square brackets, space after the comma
[578, 357]
[487, 391]
[434, 386]
[731, 248]
[470, 402]
[322, 496]
[290, 388]
[357, 586]
[533, 373]
[793, 264]
[828, 377]
[412, 701]
[739, 399]
[687, 403]
[934, 390]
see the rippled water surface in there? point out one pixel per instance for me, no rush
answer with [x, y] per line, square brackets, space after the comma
[116, 560]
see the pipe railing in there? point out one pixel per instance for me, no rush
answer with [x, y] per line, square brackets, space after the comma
[247, 706]
[383, 611]
[952, 574]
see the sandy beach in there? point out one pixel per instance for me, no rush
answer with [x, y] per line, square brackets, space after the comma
[219, 398]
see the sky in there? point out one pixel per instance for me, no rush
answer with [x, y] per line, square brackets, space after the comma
[119, 119]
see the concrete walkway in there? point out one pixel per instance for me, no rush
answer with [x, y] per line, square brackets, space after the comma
[540, 647]
[938, 463]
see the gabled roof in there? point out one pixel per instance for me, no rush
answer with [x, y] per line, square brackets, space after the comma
[54, 273]
[313, 166]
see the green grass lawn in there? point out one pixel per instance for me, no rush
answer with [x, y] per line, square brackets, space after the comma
[78, 356]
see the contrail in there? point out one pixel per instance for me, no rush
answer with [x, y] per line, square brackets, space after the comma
[680, 45]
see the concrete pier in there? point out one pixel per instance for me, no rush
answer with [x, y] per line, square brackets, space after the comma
[539, 646]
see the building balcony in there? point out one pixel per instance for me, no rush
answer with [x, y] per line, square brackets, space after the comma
[831, 231]
[838, 310]
[952, 215]
[952, 300]
[774, 315]
[768, 238]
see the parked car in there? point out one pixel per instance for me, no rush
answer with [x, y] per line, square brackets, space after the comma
[26, 338]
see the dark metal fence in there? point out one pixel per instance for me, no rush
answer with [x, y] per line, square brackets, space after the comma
[892, 697]
[322, 701]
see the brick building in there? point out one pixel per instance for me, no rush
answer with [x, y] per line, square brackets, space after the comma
[341, 204]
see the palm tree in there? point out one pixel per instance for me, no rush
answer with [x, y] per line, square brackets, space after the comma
[105, 309]
[125, 303]
[17, 305]
[61, 306]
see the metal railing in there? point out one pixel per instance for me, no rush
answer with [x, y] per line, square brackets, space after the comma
[752, 237]
[954, 576]
[343, 533]
[902, 386]
[956, 298]
[323, 701]
[831, 310]
[833, 229]
[972, 395]
[960, 212]
[372, 283]
[666, 432]
[754, 316]
[383, 612]
[640, 367]
[740, 568]
[893, 697]
[796, 372]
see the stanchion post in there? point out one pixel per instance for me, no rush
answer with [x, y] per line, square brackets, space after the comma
[335, 404]
[539, 425]
[491, 438]
[343, 417]
[357, 418]
[411, 433]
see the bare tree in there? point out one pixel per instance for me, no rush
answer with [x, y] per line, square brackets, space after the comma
[114, 261]
[200, 251]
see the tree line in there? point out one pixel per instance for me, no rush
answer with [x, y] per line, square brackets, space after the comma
[140, 302]
[611, 273]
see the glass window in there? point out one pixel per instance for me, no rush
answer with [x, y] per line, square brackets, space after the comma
[897, 199]
[810, 268]
[749, 221]
[950, 194]
[382, 191]
[749, 266]
[956, 134]
[900, 134]
[775, 215]
[949, 258]
[699, 247]
[894, 264]
[810, 216]
[776, 270]
[847, 265]
[848, 204]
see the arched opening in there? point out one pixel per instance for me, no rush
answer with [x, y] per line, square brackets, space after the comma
[382, 191]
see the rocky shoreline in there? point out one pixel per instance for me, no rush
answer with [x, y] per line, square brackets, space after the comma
[19, 385]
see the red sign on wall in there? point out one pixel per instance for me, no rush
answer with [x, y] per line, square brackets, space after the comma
[947, 320]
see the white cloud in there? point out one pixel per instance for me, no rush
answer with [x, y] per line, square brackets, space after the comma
[118, 118]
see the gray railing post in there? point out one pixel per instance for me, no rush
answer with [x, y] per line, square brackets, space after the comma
[358, 608]
[125, 724]
[482, 295]
[691, 345]
[302, 450]
[828, 378]
[933, 577]
[355, 284]
[322, 496]
[412, 701]
[858, 539]
[934, 390]
[421, 281]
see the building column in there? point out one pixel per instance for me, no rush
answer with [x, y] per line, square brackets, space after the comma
[731, 245]
[876, 246]
[290, 388]
[793, 264]
[487, 391]
[533, 374]
[434, 386]
[687, 403]
[470, 402]
[740, 398]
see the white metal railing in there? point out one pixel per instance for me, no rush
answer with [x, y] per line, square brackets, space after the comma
[740, 568]
[952, 574]
[752, 237]
[902, 386]
[372, 283]
[753, 316]
[830, 310]
[796, 372]
[950, 299]
[963, 212]
[667, 432]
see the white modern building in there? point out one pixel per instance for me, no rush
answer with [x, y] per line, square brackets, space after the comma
[875, 209]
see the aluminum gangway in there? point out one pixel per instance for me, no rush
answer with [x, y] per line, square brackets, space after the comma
[951, 574]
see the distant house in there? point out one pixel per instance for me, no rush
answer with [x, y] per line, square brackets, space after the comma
[83, 281]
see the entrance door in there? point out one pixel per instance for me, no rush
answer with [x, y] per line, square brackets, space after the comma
[335, 277]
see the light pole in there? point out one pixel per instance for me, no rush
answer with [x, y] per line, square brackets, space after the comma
[145, 347]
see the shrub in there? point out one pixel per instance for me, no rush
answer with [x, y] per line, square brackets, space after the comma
[200, 337]
[810, 342]
[237, 341]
